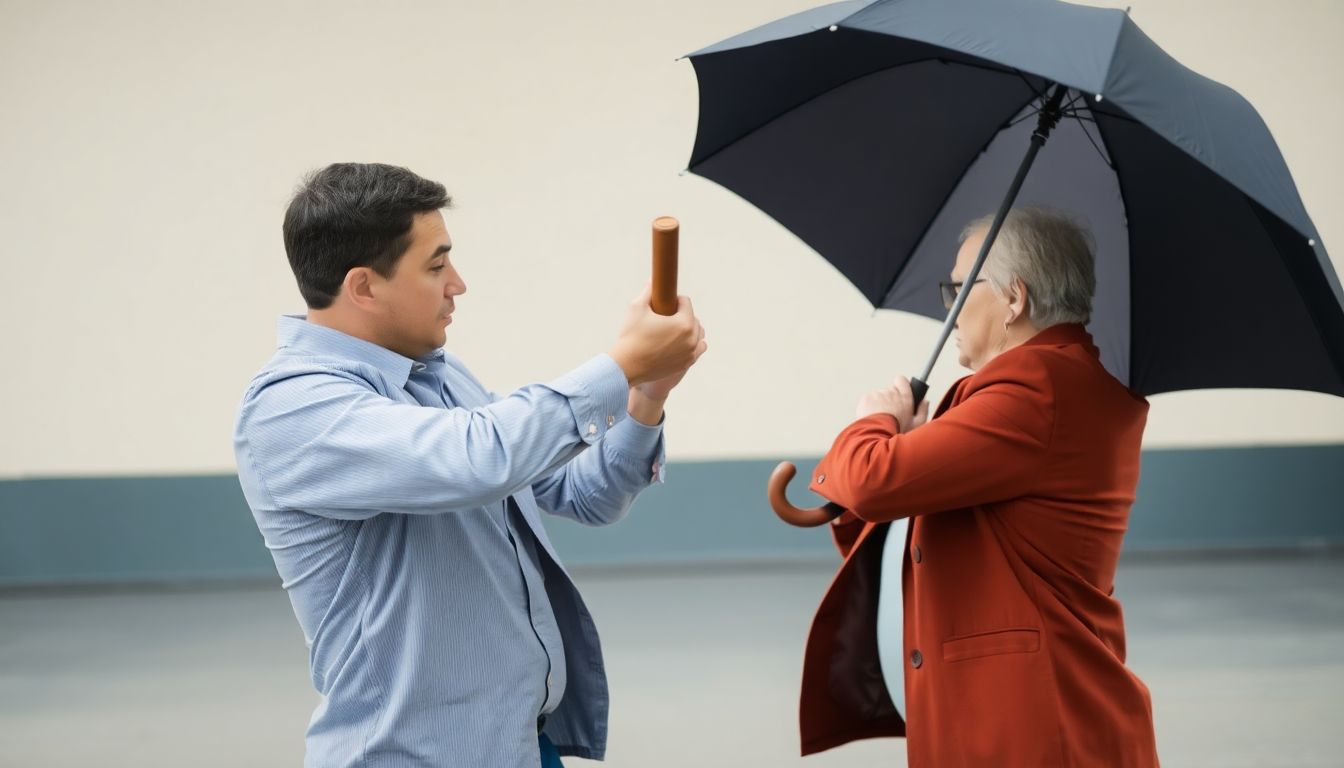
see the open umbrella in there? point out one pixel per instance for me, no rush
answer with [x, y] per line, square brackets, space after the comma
[875, 130]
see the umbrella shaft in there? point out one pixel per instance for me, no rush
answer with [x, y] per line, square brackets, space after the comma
[1048, 118]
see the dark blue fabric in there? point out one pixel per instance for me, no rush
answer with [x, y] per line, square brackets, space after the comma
[549, 757]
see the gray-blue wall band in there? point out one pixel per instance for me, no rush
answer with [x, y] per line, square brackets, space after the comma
[98, 530]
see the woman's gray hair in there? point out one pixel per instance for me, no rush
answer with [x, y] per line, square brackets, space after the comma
[1052, 253]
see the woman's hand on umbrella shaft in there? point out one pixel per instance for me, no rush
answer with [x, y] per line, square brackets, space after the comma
[897, 401]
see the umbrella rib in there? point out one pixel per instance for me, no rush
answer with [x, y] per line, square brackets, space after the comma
[1104, 157]
[1025, 117]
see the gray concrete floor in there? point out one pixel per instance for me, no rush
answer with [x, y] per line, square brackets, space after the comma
[1245, 660]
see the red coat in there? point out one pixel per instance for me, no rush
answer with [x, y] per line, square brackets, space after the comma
[1019, 491]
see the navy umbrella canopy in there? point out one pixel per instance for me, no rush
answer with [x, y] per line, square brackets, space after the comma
[875, 131]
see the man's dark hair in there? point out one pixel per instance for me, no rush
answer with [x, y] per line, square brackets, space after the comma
[351, 215]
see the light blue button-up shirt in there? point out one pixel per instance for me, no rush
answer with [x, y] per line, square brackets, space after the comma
[401, 502]
[891, 613]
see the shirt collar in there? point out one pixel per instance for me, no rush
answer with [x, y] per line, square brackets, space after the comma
[295, 332]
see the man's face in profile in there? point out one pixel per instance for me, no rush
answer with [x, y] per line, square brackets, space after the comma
[419, 296]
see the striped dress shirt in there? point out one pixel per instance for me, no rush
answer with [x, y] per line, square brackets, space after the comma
[401, 502]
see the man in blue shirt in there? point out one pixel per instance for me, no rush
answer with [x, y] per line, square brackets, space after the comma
[401, 500]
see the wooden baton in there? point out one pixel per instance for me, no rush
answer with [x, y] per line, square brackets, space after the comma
[664, 300]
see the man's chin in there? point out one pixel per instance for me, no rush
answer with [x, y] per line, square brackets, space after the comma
[435, 341]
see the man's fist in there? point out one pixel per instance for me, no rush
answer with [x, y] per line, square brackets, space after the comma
[652, 348]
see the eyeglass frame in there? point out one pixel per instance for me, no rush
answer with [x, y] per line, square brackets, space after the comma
[950, 289]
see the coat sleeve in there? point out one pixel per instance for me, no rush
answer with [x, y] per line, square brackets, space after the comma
[989, 447]
[845, 529]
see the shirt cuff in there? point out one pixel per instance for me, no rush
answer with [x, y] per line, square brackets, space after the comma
[597, 393]
[638, 443]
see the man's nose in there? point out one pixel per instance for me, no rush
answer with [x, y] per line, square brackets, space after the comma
[455, 286]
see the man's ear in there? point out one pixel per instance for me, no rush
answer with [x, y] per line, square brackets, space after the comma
[359, 287]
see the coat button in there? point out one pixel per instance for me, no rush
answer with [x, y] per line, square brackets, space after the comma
[916, 555]
[916, 659]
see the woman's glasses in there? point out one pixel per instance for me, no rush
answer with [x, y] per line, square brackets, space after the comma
[950, 291]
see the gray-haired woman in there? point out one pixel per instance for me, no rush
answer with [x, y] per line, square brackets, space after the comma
[992, 614]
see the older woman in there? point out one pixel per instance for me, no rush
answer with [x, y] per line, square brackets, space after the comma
[1011, 649]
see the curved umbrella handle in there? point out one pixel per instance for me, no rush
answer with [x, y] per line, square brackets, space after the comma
[784, 473]
[779, 501]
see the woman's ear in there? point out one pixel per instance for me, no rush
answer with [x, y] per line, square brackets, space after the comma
[1017, 299]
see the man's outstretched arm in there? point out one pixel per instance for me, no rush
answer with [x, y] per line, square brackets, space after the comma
[324, 442]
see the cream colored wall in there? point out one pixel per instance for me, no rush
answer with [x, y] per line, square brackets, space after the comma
[147, 150]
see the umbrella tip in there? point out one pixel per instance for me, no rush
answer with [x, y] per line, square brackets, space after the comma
[833, 28]
[1311, 241]
[683, 171]
[1098, 98]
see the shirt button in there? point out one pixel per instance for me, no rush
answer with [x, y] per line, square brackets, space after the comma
[821, 479]
[592, 429]
[916, 555]
[611, 421]
[916, 659]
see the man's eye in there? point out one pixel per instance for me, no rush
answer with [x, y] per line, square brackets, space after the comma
[436, 269]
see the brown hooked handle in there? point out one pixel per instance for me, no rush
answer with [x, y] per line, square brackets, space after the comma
[665, 237]
[779, 501]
